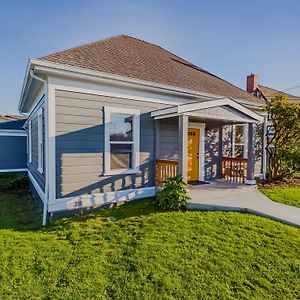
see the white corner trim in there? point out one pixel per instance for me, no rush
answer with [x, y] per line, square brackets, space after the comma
[13, 132]
[12, 170]
[50, 149]
[37, 187]
[135, 140]
[96, 200]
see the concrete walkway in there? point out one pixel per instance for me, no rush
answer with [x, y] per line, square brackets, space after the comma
[228, 196]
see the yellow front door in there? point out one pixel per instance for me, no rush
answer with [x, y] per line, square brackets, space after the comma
[193, 154]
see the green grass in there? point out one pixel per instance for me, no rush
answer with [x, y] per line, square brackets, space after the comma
[145, 254]
[5, 178]
[284, 194]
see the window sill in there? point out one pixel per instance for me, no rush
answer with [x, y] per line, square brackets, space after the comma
[121, 172]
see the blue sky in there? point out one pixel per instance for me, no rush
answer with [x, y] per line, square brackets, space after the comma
[228, 38]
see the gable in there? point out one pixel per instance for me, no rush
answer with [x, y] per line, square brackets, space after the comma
[222, 109]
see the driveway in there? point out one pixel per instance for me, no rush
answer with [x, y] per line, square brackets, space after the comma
[228, 196]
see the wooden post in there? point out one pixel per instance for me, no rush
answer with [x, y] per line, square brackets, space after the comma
[251, 154]
[183, 149]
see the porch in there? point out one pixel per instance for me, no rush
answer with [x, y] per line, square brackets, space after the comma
[185, 146]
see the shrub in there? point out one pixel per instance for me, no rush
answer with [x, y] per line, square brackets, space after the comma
[174, 195]
[18, 183]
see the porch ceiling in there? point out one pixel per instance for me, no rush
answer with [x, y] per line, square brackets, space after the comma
[224, 111]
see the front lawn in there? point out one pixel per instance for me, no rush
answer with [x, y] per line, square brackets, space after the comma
[289, 195]
[142, 253]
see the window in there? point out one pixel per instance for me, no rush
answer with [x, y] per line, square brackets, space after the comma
[29, 142]
[122, 145]
[270, 132]
[40, 141]
[239, 141]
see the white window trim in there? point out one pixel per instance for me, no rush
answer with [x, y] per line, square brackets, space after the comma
[30, 141]
[40, 141]
[135, 140]
[244, 142]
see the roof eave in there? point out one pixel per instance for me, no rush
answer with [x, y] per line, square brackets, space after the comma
[185, 108]
[52, 67]
[24, 86]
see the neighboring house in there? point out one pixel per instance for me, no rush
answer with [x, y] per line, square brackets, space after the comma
[13, 148]
[106, 119]
[266, 93]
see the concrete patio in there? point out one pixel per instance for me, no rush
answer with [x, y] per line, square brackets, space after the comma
[227, 196]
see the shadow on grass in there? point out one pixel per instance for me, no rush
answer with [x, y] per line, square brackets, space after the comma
[114, 212]
[18, 211]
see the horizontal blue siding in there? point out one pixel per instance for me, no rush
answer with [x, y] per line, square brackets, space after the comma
[13, 152]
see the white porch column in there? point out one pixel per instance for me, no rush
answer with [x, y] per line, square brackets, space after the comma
[264, 146]
[157, 139]
[183, 122]
[251, 154]
[232, 140]
[220, 152]
[245, 141]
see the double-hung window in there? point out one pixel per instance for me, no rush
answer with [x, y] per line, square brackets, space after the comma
[122, 140]
[40, 141]
[239, 141]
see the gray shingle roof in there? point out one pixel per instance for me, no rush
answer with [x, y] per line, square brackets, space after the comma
[127, 56]
[270, 93]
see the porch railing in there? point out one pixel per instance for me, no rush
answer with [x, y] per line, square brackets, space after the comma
[165, 169]
[234, 169]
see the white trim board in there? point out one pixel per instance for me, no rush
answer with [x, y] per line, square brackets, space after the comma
[12, 170]
[40, 140]
[37, 187]
[50, 148]
[8, 132]
[189, 108]
[87, 89]
[29, 157]
[96, 200]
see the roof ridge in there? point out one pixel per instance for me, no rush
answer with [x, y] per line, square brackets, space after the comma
[83, 45]
[165, 64]
[180, 59]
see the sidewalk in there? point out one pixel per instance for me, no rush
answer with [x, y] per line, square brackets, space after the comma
[227, 196]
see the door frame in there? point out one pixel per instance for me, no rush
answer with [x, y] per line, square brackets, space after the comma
[200, 126]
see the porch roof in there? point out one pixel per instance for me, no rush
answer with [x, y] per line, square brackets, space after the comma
[224, 109]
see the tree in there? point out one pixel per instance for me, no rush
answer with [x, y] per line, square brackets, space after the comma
[283, 142]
